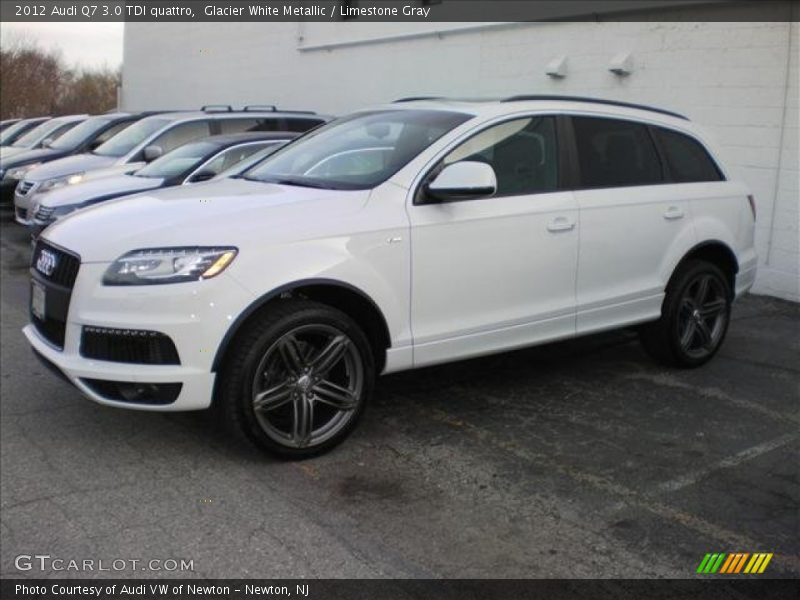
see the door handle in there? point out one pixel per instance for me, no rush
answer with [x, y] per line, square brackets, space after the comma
[561, 224]
[673, 212]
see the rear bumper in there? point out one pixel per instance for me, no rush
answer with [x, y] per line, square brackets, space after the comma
[746, 277]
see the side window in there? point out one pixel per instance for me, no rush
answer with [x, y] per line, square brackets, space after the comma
[248, 124]
[111, 132]
[522, 152]
[182, 134]
[230, 157]
[58, 132]
[615, 153]
[688, 160]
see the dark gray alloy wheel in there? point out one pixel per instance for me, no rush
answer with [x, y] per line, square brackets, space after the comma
[307, 386]
[703, 316]
[296, 378]
[694, 316]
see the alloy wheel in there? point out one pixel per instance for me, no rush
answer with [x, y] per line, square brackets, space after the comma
[703, 315]
[307, 386]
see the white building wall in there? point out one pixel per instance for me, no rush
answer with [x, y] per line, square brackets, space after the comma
[737, 79]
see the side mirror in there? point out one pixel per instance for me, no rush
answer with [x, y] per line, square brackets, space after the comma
[47, 141]
[201, 176]
[152, 152]
[463, 181]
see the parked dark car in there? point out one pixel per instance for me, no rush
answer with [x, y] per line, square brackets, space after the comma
[191, 163]
[83, 137]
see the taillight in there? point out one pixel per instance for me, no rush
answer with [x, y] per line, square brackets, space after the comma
[752, 202]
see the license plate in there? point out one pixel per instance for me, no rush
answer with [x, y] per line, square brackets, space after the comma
[37, 300]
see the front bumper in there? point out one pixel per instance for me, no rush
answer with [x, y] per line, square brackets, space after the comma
[195, 316]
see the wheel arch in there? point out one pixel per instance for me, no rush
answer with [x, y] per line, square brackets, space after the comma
[717, 253]
[340, 295]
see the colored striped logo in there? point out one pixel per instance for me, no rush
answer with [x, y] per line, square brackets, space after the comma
[733, 563]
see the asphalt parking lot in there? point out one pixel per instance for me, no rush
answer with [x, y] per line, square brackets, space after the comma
[579, 459]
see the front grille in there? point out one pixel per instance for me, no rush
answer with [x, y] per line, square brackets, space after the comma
[44, 214]
[56, 270]
[128, 346]
[22, 213]
[66, 266]
[24, 188]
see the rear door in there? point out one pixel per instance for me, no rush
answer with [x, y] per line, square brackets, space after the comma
[631, 222]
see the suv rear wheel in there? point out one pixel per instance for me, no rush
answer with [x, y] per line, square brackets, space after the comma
[296, 381]
[694, 318]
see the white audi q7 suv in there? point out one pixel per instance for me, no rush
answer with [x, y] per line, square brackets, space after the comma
[402, 236]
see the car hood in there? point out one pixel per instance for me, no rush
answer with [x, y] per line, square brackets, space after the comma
[98, 189]
[30, 156]
[69, 165]
[231, 212]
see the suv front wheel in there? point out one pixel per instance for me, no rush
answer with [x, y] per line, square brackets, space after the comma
[694, 317]
[296, 380]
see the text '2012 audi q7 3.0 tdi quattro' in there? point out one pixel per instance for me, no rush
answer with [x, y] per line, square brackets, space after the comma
[402, 236]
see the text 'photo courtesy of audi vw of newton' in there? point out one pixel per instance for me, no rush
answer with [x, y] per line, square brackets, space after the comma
[191, 163]
[406, 235]
[149, 139]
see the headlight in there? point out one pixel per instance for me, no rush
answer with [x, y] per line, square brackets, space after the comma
[46, 215]
[19, 172]
[168, 265]
[52, 184]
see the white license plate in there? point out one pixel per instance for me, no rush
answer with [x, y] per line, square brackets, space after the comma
[37, 299]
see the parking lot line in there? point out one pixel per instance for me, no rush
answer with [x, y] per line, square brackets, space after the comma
[631, 497]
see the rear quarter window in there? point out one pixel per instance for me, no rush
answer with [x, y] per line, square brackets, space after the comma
[687, 159]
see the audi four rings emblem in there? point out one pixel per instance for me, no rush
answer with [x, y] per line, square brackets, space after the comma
[46, 263]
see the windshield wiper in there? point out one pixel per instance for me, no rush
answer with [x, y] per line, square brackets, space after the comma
[298, 183]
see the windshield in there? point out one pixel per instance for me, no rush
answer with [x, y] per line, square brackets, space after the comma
[9, 133]
[79, 134]
[357, 152]
[38, 133]
[130, 137]
[178, 161]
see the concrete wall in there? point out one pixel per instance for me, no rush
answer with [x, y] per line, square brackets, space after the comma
[738, 79]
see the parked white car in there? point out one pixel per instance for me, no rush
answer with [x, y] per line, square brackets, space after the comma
[478, 227]
[149, 139]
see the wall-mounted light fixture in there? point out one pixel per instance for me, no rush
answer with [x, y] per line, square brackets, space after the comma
[621, 64]
[557, 68]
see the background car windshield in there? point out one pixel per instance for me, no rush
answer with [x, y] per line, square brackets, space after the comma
[357, 152]
[251, 161]
[130, 137]
[178, 161]
[10, 132]
[78, 134]
[38, 133]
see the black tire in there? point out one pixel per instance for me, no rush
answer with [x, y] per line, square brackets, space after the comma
[277, 343]
[687, 316]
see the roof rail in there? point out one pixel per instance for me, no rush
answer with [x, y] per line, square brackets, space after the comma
[596, 101]
[299, 112]
[261, 107]
[216, 108]
[415, 98]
